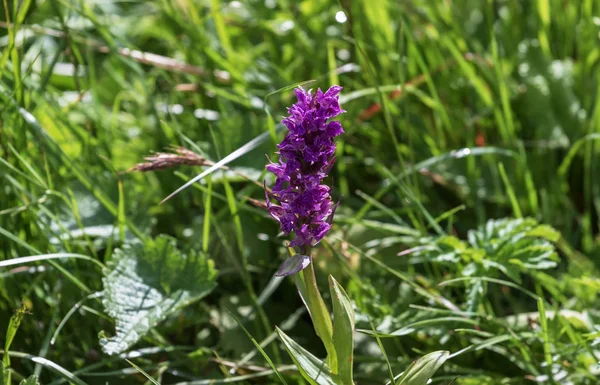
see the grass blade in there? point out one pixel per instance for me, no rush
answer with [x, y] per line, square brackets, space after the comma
[251, 145]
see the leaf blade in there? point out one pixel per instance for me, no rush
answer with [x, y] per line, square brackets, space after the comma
[343, 332]
[312, 369]
[148, 282]
[251, 145]
[420, 371]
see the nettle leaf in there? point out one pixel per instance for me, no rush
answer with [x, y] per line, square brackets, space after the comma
[146, 283]
[33, 380]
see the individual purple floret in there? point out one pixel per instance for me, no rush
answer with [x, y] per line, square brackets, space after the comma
[306, 157]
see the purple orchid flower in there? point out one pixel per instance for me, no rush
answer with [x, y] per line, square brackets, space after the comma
[306, 157]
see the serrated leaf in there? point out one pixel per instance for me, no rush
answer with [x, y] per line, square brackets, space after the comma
[33, 380]
[502, 244]
[146, 283]
[521, 242]
[312, 369]
[420, 371]
[343, 332]
[508, 246]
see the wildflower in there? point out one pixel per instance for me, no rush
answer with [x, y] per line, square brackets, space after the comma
[306, 157]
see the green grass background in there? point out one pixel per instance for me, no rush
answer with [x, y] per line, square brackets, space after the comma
[458, 112]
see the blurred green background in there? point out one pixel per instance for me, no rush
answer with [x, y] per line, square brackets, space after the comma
[463, 118]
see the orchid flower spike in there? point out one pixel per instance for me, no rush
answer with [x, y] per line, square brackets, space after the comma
[306, 157]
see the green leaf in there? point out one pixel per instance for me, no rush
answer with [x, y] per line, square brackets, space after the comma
[508, 245]
[312, 369]
[251, 145]
[148, 282]
[474, 295]
[343, 332]
[520, 242]
[3, 374]
[33, 380]
[544, 231]
[502, 246]
[412, 327]
[420, 371]
[13, 326]
[319, 314]
[11, 331]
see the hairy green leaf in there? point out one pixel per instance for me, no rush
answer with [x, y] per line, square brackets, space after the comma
[146, 283]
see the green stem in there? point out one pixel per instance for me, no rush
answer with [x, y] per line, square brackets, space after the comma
[319, 313]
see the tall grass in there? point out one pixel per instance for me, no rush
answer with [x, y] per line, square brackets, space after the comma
[458, 113]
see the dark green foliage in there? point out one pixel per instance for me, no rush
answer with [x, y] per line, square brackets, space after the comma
[508, 246]
[469, 172]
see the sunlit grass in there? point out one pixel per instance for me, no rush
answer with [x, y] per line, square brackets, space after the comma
[459, 113]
